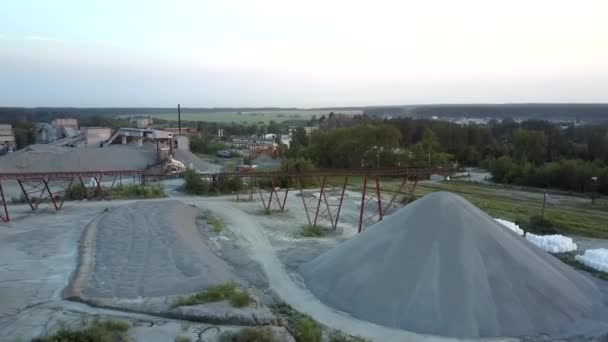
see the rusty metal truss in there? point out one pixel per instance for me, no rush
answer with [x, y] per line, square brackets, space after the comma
[322, 192]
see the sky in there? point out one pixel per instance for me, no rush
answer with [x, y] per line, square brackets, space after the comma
[308, 53]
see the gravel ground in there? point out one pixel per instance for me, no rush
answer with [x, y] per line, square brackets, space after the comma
[150, 249]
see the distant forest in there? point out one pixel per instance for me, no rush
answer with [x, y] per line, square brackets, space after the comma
[550, 112]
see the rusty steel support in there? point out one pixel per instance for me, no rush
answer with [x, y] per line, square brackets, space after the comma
[363, 191]
[318, 209]
[341, 200]
[304, 201]
[58, 197]
[319, 202]
[3, 216]
[379, 198]
[33, 186]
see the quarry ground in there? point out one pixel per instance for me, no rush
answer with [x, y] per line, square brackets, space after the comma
[40, 250]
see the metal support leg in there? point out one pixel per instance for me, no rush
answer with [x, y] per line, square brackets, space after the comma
[3, 216]
[380, 214]
[362, 203]
[319, 202]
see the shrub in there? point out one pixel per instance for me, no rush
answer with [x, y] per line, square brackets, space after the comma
[227, 291]
[138, 191]
[307, 330]
[96, 331]
[540, 225]
[301, 326]
[249, 335]
[194, 184]
[216, 222]
[314, 231]
[76, 193]
[240, 299]
[339, 336]
[181, 338]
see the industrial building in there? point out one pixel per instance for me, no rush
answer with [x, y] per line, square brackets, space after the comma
[7, 138]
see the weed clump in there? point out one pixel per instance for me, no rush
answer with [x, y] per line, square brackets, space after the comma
[314, 231]
[227, 291]
[249, 335]
[138, 191]
[96, 331]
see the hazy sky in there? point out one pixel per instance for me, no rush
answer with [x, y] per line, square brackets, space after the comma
[304, 53]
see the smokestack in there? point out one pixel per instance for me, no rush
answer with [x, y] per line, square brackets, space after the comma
[179, 119]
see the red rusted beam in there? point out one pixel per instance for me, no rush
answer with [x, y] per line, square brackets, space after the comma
[4, 217]
[304, 201]
[341, 200]
[362, 203]
[379, 198]
[319, 202]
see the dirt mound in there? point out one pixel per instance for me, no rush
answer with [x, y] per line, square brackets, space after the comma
[442, 266]
[149, 249]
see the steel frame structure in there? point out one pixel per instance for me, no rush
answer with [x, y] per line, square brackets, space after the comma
[325, 202]
[272, 187]
[38, 187]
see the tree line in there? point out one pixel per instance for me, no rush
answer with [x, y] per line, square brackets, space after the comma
[532, 153]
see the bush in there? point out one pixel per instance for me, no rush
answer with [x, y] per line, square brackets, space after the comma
[249, 335]
[339, 336]
[307, 330]
[240, 299]
[227, 291]
[314, 231]
[182, 339]
[138, 191]
[216, 222]
[96, 331]
[76, 193]
[301, 326]
[195, 185]
[540, 225]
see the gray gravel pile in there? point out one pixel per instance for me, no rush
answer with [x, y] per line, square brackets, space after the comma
[442, 266]
[149, 249]
[48, 158]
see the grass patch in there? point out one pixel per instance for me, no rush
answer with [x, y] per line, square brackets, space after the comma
[95, 331]
[301, 326]
[568, 214]
[568, 258]
[137, 191]
[258, 334]
[305, 329]
[227, 291]
[339, 336]
[314, 231]
[181, 338]
[215, 221]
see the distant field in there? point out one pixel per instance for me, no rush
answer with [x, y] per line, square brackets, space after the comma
[252, 117]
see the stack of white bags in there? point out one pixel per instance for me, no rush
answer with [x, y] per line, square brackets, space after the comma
[595, 258]
[552, 243]
[511, 226]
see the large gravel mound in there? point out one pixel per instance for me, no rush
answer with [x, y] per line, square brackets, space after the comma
[48, 158]
[442, 266]
[150, 249]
